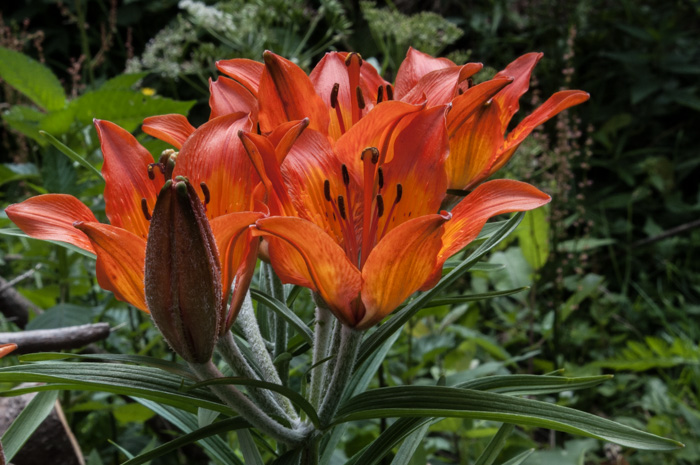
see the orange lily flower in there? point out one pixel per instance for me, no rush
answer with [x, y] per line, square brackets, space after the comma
[211, 157]
[6, 349]
[358, 225]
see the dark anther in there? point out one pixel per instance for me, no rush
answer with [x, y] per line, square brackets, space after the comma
[205, 191]
[334, 95]
[151, 166]
[389, 92]
[470, 83]
[380, 177]
[144, 208]
[360, 98]
[346, 175]
[399, 193]
[380, 94]
[373, 151]
[341, 206]
[327, 189]
[380, 205]
[460, 91]
[257, 128]
[348, 59]
[151, 174]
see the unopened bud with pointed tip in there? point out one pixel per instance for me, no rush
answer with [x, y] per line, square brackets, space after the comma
[183, 273]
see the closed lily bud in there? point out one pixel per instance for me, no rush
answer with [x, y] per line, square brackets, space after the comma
[183, 273]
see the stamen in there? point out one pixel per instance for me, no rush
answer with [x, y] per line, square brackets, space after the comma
[380, 177]
[346, 174]
[144, 208]
[334, 95]
[470, 83]
[151, 174]
[380, 94]
[399, 193]
[341, 207]
[205, 191]
[360, 98]
[380, 205]
[460, 91]
[348, 59]
[370, 151]
[327, 189]
[389, 92]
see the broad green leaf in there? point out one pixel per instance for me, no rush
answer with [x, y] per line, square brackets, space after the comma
[282, 310]
[251, 455]
[533, 237]
[495, 445]
[396, 322]
[64, 149]
[25, 120]
[138, 381]
[32, 78]
[62, 316]
[27, 422]
[214, 445]
[178, 369]
[126, 108]
[440, 401]
[294, 396]
[123, 81]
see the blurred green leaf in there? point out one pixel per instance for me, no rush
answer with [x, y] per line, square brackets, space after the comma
[32, 78]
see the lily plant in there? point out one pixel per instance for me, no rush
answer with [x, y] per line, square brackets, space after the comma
[338, 182]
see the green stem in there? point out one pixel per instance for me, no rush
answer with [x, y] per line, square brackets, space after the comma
[249, 325]
[321, 342]
[345, 362]
[234, 358]
[246, 408]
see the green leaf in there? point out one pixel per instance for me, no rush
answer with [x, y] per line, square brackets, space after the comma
[214, 446]
[27, 422]
[10, 172]
[175, 368]
[32, 78]
[440, 401]
[533, 237]
[25, 120]
[290, 458]
[64, 149]
[296, 398]
[123, 81]
[138, 381]
[132, 413]
[62, 316]
[495, 445]
[520, 458]
[126, 108]
[410, 444]
[473, 297]
[532, 385]
[282, 310]
[199, 434]
[392, 436]
[375, 340]
[251, 455]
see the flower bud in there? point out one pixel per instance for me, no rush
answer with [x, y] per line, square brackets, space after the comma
[183, 273]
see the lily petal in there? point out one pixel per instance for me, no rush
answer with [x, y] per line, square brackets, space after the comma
[416, 65]
[51, 217]
[305, 255]
[173, 129]
[555, 104]
[286, 94]
[125, 170]
[214, 155]
[399, 265]
[6, 349]
[439, 87]
[243, 70]
[228, 96]
[474, 133]
[120, 260]
[508, 99]
[489, 199]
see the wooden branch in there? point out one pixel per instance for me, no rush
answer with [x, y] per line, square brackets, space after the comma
[43, 340]
[14, 305]
[668, 233]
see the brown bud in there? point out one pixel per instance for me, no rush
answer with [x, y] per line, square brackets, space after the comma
[183, 273]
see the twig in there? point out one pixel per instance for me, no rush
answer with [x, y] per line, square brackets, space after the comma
[668, 233]
[42, 340]
[14, 305]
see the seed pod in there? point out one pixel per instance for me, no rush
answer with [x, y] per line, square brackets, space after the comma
[183, 273]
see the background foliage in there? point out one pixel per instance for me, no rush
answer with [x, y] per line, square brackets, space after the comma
[612, 265]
